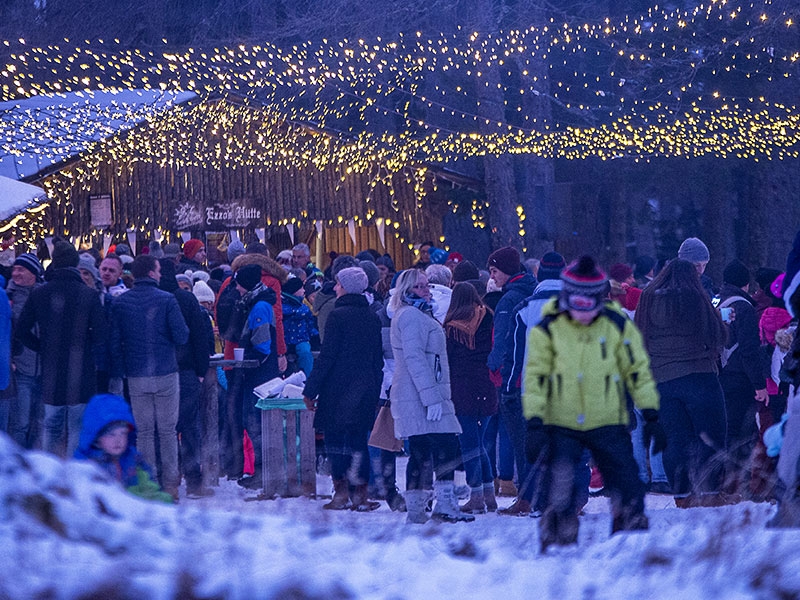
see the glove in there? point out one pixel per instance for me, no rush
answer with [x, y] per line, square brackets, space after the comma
[653, 431]
[536, 440]
[435, 412]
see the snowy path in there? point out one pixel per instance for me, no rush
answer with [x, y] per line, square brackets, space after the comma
[67, 533]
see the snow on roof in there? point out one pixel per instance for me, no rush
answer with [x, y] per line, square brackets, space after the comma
[41, 131]
[17, 197]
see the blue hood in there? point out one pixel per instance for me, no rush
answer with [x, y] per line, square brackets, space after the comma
[102, 410]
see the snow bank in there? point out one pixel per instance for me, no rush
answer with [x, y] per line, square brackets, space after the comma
[66, 531]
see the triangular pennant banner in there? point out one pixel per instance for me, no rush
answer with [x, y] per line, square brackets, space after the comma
[234, 235]
[132, 240]
[318, 225]
[351, 229]
[186, 236]
[381, 225]
[107, 237]
[290, 229]
[76, 241]
[48, 241]
[261, 233]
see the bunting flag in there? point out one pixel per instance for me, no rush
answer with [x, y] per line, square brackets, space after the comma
[48, 241]
[158, 235]
[261, 232]
[107, 237]
[351, 229]
[318, 225]
[234, 233]
[76, 241]
[186, 236]
[381, 225]
[290, 229]
[132, 241]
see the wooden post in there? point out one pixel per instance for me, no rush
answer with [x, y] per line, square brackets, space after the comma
[210, 415]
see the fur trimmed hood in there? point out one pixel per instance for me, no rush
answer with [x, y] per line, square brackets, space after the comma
[268, 265]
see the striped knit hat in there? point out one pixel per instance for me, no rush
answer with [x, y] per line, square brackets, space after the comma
[30, 262]
[585, 286]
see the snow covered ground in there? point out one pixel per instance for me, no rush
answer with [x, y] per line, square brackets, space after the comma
[67, 532]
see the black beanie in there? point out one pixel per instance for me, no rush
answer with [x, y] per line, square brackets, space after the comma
[550, 266]
[736, 273]
[248, 276]
[65, 255]
[292, 285]
[465, 271]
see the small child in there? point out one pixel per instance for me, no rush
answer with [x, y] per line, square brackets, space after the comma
[581, 358]
[299, 324]
[108, 437]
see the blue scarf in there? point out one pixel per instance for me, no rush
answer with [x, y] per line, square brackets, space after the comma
[417, 302]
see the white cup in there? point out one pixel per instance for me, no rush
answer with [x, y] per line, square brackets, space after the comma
[238, 354]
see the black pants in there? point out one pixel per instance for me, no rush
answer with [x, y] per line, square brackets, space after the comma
[612, 450]
[349, 455]
[190, 428]
[439, 452]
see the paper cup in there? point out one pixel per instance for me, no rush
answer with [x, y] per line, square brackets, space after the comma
[238, 353]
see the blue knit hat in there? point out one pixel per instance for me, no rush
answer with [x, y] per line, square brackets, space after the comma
[30, 262]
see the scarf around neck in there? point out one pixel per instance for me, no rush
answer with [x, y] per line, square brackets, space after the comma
[463, 332]
[420, 303]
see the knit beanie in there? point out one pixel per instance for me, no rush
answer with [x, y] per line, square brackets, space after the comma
[353, 280]
[619, 272]
[192, 247]
[292, 285]
[386, 261]
[122, 250]
[373, 275]
[736, 273]
[465, 271]
[155, 250]
[693, 250]
[550, 266]
[643, 265]
[30, 262]
[585, 286]
[248, 276]
[64, 255]
[235, 248]
[86, 262]
[202, 292]
[506, 260]
[456, 257]
[183, 277]
[437, 256]
[365, 255]
[172, 250]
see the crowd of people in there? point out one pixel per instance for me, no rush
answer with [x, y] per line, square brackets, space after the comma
[541, 379]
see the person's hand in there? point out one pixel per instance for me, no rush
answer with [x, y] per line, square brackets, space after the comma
[435, 412]
[283, 364]
[762, 396]
[653, 431]
[310, 404]
[536, 440]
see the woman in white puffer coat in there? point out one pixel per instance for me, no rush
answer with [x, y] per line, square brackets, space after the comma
[420, 394]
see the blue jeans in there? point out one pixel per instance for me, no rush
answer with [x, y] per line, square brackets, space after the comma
[62, 428]
[514, 421]
[473, 450]
[693, 416]
[25, 417]
[656, 473]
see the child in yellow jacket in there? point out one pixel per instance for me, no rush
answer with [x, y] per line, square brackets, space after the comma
[581, 359]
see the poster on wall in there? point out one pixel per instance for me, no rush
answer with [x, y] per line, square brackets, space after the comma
[217, 247]
[100, 210]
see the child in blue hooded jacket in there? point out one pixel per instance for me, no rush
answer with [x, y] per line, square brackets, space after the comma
[108, 437]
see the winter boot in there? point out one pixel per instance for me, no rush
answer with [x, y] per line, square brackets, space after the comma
[446, 507]
[488, 497]
[415, 504]
[361, 502]
[506, 487]
[341, 496]
[788, 514]
[519, 508]
[476, 505]
[395, 500]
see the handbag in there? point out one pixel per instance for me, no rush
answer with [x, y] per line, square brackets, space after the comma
[382, 435]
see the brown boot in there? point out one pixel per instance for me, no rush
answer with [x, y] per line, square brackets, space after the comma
[341, 496]
[361, 501]
[506, 488]
[476, 504]
[519, 508]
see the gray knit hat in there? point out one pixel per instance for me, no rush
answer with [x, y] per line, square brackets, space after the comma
[353, 280]
[86, 262]
[694, 251]
[235, 248]
[373, 275]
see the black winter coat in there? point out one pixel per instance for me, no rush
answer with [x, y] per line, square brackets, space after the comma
[193, 355]
[72, 332]
[346, 378]
[471, 390]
